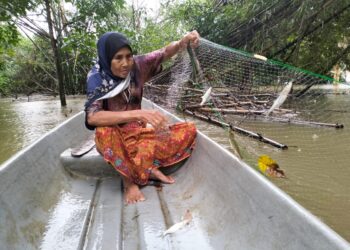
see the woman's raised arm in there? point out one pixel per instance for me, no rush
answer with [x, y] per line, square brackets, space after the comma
[174, 47]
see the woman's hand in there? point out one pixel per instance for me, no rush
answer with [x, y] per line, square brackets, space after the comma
[154, 117]
[192, 38]
[111, 118]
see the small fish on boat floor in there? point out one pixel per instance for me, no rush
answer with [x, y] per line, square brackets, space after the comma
[270, 167]
[187, 218]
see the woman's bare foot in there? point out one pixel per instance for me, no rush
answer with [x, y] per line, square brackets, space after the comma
[132, 192]
[157, 174]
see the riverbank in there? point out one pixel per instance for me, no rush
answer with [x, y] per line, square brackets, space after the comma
[38, 97]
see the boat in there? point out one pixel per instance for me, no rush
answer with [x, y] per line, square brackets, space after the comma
[51, 200]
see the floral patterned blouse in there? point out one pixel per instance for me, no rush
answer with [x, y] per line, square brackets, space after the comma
[145, 67]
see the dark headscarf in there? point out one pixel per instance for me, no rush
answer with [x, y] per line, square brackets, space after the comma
[100, 78]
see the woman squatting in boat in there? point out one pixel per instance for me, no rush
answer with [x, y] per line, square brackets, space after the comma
[113, 108]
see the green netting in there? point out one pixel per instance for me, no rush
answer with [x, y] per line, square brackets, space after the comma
[284, 65]
[246, 84]
[243, 89]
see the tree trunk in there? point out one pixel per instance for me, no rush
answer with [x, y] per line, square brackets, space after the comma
[56, 52]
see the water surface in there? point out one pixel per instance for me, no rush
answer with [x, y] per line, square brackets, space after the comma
[23, 122]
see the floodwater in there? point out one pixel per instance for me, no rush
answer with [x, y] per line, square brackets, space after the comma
[317, 162]
[23, 122]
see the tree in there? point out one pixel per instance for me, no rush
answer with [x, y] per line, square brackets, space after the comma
[56, 52]
[307, 34]
[72, 34]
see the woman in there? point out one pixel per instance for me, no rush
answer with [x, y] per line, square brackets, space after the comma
[115, 87]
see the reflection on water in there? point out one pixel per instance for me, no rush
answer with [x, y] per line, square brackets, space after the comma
[316, 163]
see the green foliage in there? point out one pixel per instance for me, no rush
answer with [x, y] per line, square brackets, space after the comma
[8, 34]
[9, 9]
[9, 37]
[26, 70]
[306, 34]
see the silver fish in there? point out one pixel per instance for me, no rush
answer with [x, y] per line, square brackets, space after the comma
[281, 98]
[186, 220]
[206, 96]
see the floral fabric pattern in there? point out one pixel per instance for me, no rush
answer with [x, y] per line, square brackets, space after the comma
[134, 150]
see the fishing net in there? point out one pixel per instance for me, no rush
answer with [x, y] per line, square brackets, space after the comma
[250, 94]
[297, 117]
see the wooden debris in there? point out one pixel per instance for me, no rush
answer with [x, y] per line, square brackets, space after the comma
[232, 111]
[237, 129]
[300, 122]
[252, 106]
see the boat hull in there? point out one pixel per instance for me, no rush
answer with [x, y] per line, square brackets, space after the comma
[233, 207]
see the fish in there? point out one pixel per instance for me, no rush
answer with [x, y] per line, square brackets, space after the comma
[270, 167]
[185, 221]
[206, 96]
[281, 98]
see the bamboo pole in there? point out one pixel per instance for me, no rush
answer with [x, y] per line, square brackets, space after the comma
[197, 70]
[237, 129]
[256, 95]
[299, 122]
[232, 111]
[195, 106]
[162, 87]
[199, 95]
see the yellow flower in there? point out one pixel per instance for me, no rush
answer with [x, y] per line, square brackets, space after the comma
[269, 167]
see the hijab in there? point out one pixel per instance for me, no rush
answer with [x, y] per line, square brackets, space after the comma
[100, 80]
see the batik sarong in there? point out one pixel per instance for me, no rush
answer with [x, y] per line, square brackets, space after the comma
[134, 149]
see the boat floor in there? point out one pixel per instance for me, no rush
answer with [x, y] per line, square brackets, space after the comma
[94, 210]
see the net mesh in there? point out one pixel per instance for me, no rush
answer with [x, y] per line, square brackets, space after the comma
[312, 122]
[245, 86]
[246, 89]
[250, 94]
